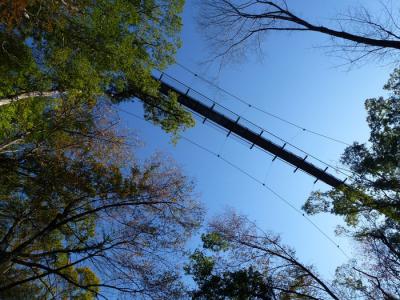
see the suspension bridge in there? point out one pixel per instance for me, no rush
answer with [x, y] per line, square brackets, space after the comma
[253, 134]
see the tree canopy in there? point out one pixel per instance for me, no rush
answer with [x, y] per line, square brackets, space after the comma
[239, 261]
[80, 216]
[93, 49]
[371, 203]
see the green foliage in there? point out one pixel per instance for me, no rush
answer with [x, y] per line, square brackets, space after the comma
[93, 49]
[39, 179]
[18, 69]
[214, 241]
[71, 196]
[160, 113]
[201, 267]
[240, 284]
[370, 203]
[19, 118]
[237, 263]
[376, 186]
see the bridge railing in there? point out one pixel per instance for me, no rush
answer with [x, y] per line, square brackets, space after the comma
[228, 113]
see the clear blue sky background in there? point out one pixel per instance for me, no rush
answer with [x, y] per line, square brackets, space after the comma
[297, 81]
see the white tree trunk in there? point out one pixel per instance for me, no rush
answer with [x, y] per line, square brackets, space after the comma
[5, 101]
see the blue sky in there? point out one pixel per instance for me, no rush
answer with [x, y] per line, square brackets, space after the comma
[296, 80]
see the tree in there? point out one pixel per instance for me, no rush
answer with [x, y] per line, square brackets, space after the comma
[232, 26]
[240, 261]
[371, 202]
[78, 216]
[93, 49]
